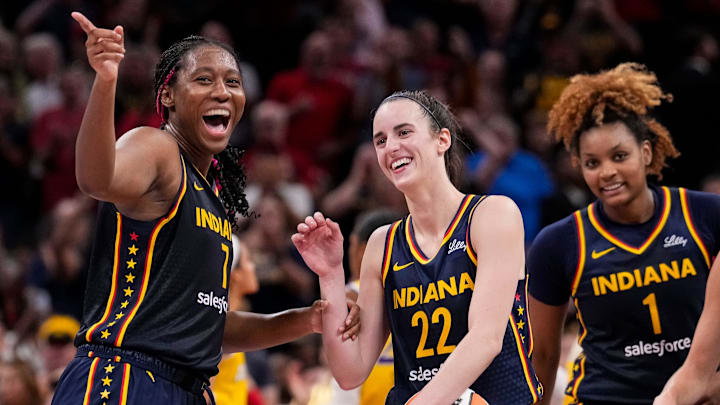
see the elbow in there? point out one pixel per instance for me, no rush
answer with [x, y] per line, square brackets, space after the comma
[348, 383]
[495, 344]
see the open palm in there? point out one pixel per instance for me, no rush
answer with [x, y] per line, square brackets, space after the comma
[320, 243]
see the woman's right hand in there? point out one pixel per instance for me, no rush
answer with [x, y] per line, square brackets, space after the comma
[105, 48]
[320, 243]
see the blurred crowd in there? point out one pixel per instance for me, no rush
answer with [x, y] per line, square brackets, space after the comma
[312, 71]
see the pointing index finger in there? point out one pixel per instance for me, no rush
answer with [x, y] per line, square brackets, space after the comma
[85, 24]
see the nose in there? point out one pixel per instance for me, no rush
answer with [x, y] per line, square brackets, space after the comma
[607, 171]
[220, 91]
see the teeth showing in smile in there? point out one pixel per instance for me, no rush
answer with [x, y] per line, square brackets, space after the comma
[400, 162]
[612, 187]
[218, 111]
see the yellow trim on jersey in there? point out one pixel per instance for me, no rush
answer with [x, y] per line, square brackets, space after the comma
[579, 379]
[650, 239]
[691, 225]
[125, 384]
[582, 323]
[523, 360]
[113, 285]
[470, 251]
[419, 256]
[148, 260]
[581, 252]
[530, 334]
[388, 251]
[91, 377]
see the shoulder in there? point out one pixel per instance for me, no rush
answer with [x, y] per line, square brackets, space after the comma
[702, 199]
[374, 252]
[493, 207]
[556, 242]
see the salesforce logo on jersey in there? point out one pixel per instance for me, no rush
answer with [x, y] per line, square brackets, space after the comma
[209, 299]
[657, 348]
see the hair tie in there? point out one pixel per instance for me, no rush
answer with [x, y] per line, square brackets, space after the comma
[158, 106]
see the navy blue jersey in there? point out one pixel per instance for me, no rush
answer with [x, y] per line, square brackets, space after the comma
[638, 291]
[428, 302]
[160, 287]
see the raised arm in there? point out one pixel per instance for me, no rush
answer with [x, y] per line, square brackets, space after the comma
[126, 174]
[497, 237]
[319, 241]
[697, 377]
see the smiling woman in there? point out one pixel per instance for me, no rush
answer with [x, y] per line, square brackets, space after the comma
[156, 300]
[448, 280]
[635, 262]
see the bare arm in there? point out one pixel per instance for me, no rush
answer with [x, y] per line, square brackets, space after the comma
[245, 331]
[320, 243]
[692, 381]
[547, 321]
[123, 173]
[501, 261]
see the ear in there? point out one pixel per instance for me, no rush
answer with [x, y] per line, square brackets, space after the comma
[167, 97]
[444, 141]
[646, 152]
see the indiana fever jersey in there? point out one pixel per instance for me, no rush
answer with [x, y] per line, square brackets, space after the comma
[637, 305]
[428, 301]
[160, 287]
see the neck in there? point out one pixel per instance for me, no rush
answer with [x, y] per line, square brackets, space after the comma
[638, 210]
[432, 209]
[201, 160]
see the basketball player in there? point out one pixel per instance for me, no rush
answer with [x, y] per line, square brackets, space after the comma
[156, 302]
[635, 262]
[448, 280]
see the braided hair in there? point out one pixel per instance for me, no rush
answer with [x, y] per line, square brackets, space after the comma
[439, 116]
[226, 168]
[624, 94]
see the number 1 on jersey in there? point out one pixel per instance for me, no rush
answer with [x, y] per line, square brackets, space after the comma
[651, 302]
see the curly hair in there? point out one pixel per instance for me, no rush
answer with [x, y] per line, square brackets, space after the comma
[226, 169]
[624, 94]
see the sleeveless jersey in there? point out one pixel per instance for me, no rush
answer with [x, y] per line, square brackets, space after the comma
[160, 286]
[637, 306]
[428, 301]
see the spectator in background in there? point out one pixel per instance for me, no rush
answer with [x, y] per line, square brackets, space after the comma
[284, 279]
[9, 58]
[18, 385]
[19, 201]
[273, 166]
[319, 105]
[60, 266]
[500, 166]
[54, 341]
[42, 60]
[21, 306]
[53, 137]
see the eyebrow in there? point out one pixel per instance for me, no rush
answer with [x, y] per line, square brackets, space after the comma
[395, 128]
[618, 145]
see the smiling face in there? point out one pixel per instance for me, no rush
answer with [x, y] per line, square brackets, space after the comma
[407, 150]
[208, 99]
[613, 163]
